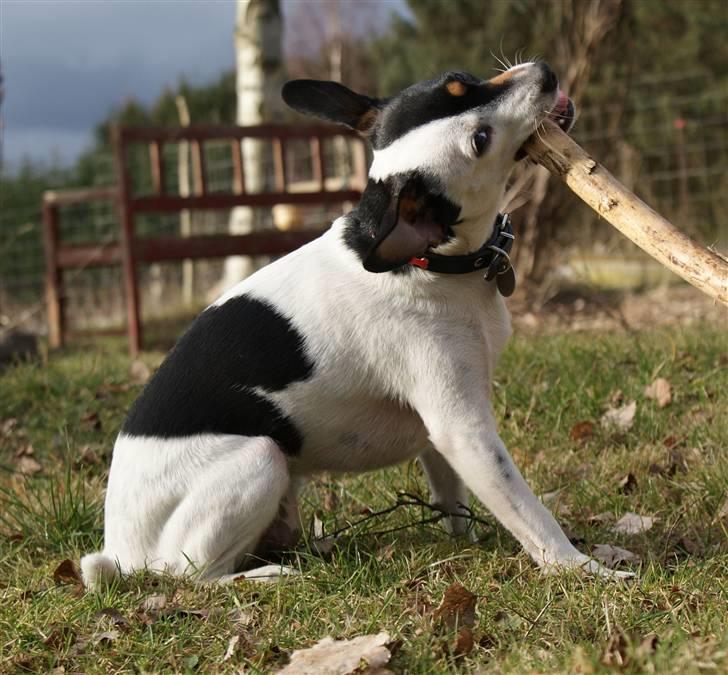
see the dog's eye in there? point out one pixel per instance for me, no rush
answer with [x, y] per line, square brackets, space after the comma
[480, 141]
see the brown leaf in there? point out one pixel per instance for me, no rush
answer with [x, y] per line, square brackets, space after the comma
[7, 426]
[616, 398]
[457, 608]
[231, 648]
[112, 616]
[582, 431]
[620, 419]
[239, 618]
[659, 390]
[139, 372]
[633, 523]
[612, 556]
[599, 518]
[463, 642]
[330, 501]
[66, 573]
[59, 637]
[722, 511]
[87, 456]
[647, 647]
[153, 603]
[627, 484]
[28, 466]
[24, 451]
[615, 653]
[340, 656]
[91, 420]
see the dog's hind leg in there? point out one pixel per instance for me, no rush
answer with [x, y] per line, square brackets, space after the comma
[229, 505]
[447, 491]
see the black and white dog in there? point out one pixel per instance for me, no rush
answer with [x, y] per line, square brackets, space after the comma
[370, 346]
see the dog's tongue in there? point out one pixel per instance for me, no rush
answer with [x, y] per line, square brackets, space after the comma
[563, 112]
[561, 107]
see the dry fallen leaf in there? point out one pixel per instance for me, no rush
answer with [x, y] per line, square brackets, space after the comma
[28, 466]
[627, 484]
[154, 603]
[633, 523]
[320, 543]
[91, 420]
[599, 518]
[139, 372]
[611, 556]
[621, 419]
[329, 656]
[722, 511]
[87, 456]
[615, 653]
[112, 616]
[660, 390]
[66, 573]
[463, 642]
[582, 431]
[231, 648]
[457, 608]
[7, 426]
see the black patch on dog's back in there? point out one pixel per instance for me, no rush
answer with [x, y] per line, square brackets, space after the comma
[205, 384]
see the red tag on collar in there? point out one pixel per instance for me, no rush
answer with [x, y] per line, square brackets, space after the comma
[422, 263]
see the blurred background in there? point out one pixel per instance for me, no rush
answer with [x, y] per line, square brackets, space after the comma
[650, 78]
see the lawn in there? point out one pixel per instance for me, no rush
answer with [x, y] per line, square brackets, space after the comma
[59, 415]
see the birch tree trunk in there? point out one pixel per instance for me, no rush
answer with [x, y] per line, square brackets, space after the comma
[260, 74]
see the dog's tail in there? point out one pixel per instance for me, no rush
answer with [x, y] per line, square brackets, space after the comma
[97, 569]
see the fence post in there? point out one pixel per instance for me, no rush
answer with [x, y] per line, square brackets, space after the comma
[126, 218]
[54, 276]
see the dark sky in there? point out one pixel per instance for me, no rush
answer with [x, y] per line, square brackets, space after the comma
[66, 63]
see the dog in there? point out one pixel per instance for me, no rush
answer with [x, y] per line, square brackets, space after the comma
[372, 345]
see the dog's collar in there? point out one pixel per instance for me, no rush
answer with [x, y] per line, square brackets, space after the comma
[492, 256]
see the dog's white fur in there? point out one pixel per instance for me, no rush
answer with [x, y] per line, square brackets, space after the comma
[404, 365]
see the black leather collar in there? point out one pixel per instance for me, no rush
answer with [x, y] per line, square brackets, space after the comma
[493, 257]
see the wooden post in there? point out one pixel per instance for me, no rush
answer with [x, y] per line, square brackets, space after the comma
[236, 150]
[156, 159]
[55, 303]
[279, 164]
[199, 173]
[126, 218]
[317, 159]
[703, 268]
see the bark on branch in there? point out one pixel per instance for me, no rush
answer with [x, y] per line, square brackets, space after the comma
[703, 268]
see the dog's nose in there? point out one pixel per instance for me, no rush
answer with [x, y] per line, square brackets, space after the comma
[549, 82]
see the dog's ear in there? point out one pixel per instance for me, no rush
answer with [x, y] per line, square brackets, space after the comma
[413, 220]
[333, 102]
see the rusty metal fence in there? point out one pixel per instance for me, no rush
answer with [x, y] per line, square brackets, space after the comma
[672, 150]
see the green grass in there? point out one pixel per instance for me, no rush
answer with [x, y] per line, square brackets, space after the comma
[372, 581]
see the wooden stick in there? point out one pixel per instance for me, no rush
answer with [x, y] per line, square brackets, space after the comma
[703, 268]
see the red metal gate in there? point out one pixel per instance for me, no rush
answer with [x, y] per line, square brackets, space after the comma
[131, 250]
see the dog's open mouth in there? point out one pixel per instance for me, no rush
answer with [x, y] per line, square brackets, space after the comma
[563, 113]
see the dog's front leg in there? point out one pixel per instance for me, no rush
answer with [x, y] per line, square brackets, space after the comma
[447, 491]
[463, 430]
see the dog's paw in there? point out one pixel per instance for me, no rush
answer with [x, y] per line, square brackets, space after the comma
[584, 564]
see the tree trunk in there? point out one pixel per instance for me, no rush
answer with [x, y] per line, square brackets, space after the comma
[260, 74]
[583, 26]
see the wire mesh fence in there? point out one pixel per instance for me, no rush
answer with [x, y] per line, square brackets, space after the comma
[671, 149]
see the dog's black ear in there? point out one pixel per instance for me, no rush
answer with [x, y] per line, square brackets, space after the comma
[413, 220]
[334, 102]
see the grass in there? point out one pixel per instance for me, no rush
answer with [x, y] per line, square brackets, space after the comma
[69, 408]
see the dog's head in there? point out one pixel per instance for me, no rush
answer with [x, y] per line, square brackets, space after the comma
[443, 151]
